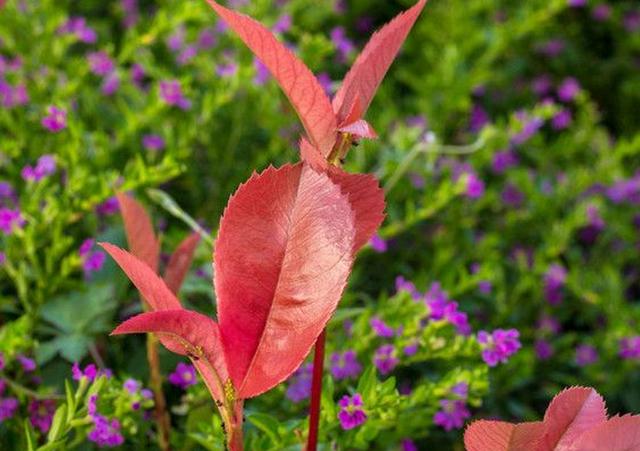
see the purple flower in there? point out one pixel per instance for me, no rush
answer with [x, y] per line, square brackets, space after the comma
[530, 126]
[586, 355]
[381, 328]
[543, 349]
[554, 280]
[403, 284]
[474, 187]
[594, 227]
[78, 27]
[110, 84]
[562, 120]
[552, 47]
[3, 259]
[46, 166]
[10, 219]
[385, 359]
[461, 390]
[343, 44]
[283, 24]
[153, 142]
[28, 365]
[7, 193]
[41, 413]
[452, 415]
[345, 365]
[105, 433]
[498, 346]
[479, 118]
[132, 385]
[601, 12]
[227, 70]
[171, 94]
[55, 120]
[93, 262]
[8, 408]
[351, 413]
[630, 348]
[632, 21]
[577, 3]
[183, 376]
[108, 207]
[326, 82]
[484, 287]
[146, 393]
[548, 325]
[138, 74]
[100, 63]
[299, 387]
[411, 349]
[568, 89]
[437, 300]
[542, 85]
[512, 196]
[457, 318]
[175, 41]
[625, 190]
[262, 72]
[378, 244]
[131, 13]
[408, 445]
[187, 54]
[503, 160]
[90, 372]
[207, 39]
[11, 96]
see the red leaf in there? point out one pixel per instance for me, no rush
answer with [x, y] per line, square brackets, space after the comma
[283, 255]
[299, 84]
[312, 156]
[364, 78]
[151, 287]
[367, 201]
[501, 436]
[139, 230]
[360, 129]
[572, 412]
[193, 334]
[180, 262]
[617, 434]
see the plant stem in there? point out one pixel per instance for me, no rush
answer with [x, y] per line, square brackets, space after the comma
[21, 389]
[162, 416]
[316, 392]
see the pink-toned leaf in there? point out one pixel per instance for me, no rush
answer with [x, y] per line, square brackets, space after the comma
[500, 436]
[139, 230]
[367, 201]
[312, 156]
[360, 129]
[192, 334]
[572, 412]
[296, 80]
[617, 434]
[364, 78]
[180, 262]
[283, 255]
[151, 287]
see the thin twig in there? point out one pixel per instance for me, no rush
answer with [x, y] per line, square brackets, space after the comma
[16, 387]
[316, 392]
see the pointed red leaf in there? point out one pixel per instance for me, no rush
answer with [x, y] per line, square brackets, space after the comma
[191, 334]
[501, 436]
[180, 262]
[296, 80]
[367, 201]
[364, 78]
[312, 156]
[139, 230]
[151, 287]
[283, 255]
[617, 434]
[572, 412]
[360, 129]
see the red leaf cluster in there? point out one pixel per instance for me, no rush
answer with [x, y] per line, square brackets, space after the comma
[576, 420]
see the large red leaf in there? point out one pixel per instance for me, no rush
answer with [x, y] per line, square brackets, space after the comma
[501, 436]
[151, 287]
[180, 262]
[617, 434]
[299, 84]
[364, 78]
[283, 255]
[367, 201]
[139, 230]
[572, 412]
[197, 335]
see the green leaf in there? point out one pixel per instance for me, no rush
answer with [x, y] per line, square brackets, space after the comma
[71, 403]
[367, 382]
[72, 347]
[58, 422]
[266, 424]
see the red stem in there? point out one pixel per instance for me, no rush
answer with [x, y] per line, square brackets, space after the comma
[316, 392]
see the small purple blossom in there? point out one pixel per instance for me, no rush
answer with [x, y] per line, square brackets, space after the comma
[543, 349]
[131, 12]
[187, 54]
[171, 94]
[498, 346]
[108, 207]
[326, 82]
[105, 433]
[378, 244]
[132, 386]
[554, 280]
[452, 415]
[385, 359]
[479, 118]
[562, 120]
[381, 328]
[344, 46]
[630, 348]
[577, 3]
[93, 262]
[175, 41]
[262, 72]
[110, 84]
[461, 390]
[183, 376]
[548, 325]
[227, 70]
[55, 120]
[137, 74]
[100, 63]
[631, 21]
[28, 365]
[530, 126]
[153, 142]
[207, 39]
[8, 408]
[503, 160]
[45, 166]
[586, 355]
[601, 12]
[41, 413]
[90, 372]
[542, 85]
[512, 196]
[403, 284]
[351, 413]
[484, 287]
[408, 445]
[283, 24]
[595, 225]
[299, 387]
[625, 190]
[552, 47]
[411, 349]
[10, 219]
[568, 89]
[474, 187]
[345, 365]
[78, 27]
